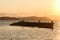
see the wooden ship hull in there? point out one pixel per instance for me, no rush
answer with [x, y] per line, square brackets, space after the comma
[34, 24]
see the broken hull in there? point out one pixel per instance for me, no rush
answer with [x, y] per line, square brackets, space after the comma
[33, 24]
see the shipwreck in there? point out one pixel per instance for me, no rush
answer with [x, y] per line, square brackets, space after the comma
[39, 24]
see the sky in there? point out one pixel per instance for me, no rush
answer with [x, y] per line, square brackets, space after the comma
[23, 8]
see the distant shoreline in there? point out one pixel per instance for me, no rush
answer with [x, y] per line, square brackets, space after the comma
[9, 18]
[26, 18]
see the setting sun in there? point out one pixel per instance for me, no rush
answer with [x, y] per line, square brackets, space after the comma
[57, 4]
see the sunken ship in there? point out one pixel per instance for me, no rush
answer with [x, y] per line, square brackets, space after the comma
[38, 24]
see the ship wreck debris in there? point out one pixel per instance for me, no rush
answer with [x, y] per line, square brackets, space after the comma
[38, 24]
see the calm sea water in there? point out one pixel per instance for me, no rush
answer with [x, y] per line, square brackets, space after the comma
[8, 32]
[7, 22]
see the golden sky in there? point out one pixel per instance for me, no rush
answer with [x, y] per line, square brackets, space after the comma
[27, 7]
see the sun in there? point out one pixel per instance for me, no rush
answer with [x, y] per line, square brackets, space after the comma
[57, 5]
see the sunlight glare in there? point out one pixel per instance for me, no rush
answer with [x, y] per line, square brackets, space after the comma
[57, 5]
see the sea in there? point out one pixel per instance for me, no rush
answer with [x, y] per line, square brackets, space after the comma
[8, 32]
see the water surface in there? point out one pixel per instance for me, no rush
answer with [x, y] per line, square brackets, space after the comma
[8, 32]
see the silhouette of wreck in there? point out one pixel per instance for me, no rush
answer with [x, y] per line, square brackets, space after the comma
[38, 24]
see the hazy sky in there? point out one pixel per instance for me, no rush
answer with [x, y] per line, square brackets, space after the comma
[27, 7]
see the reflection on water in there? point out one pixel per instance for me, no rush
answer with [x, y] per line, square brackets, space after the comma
[18, 32]
[56, 30]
